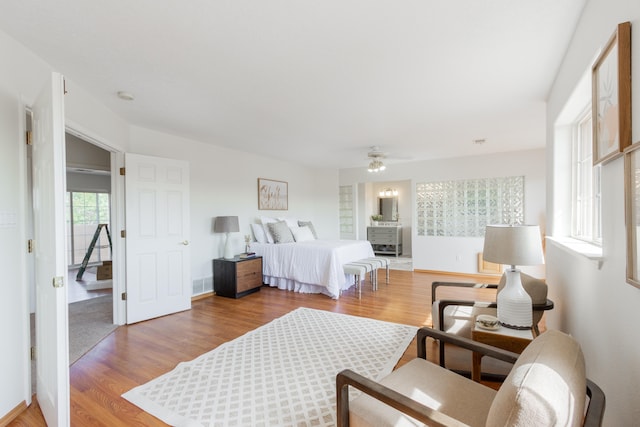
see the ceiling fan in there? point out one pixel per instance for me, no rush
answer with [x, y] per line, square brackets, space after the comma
[376, 165]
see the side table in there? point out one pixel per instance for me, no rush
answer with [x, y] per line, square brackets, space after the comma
[237, 277]
[514, 340]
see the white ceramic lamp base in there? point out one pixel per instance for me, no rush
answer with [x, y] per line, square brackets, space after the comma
[514, 303]
[228, 249]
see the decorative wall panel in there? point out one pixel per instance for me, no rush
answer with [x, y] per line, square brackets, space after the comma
[463, 208]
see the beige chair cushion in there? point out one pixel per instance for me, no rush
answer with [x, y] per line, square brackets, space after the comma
[427, 383]
[546, 387]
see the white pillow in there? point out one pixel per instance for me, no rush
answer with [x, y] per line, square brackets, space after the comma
[311, 227]
[268, 220]
[302, 234]
[258, 233]
[291, 222]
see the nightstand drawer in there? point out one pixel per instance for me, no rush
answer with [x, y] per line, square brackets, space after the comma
[249, 274]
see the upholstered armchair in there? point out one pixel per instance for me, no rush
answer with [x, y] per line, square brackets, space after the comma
[547, 386]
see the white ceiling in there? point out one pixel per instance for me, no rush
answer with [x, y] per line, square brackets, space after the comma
[314, 81]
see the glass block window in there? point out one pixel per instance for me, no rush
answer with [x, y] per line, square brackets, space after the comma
[463, 208]
[346, 210]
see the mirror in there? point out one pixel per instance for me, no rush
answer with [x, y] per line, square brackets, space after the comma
[389, 208]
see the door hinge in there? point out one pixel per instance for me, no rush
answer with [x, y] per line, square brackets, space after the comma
[58, 282]
[123, 233]
[33, 353]
[124, 296]
[64, 86]
[30, 246]
[29, 137]
[122, 171]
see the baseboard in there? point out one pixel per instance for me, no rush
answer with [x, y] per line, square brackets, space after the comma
[202, 296]
[13, 414]
[476, 277]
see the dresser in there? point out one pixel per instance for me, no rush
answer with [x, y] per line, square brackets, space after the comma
[385, 240]
[235, 278]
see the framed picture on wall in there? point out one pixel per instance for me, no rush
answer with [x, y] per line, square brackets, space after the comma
[273, 195]
[611, 85]
[632, 211]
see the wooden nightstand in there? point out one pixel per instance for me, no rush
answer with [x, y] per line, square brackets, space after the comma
[514, 340]
[235, 278]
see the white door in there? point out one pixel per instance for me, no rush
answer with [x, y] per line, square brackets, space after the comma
[52, 333]
[158, 266]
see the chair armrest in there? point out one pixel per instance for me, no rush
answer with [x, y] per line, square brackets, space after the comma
[595, 409]
[548, 305]
[388, 396]
[466, 343]
[436, 285]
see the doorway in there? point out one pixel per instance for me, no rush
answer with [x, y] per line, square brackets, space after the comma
[89, 248]
[87, 203]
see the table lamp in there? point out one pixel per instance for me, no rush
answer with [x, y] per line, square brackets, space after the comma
[227, 224]
[513, 245]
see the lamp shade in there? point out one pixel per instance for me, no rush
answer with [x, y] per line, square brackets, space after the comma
[226, 224]
[513, 245]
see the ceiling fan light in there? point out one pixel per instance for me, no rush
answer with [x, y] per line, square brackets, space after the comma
[376, 166]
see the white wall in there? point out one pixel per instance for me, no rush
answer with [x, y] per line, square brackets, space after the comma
[459, 254]
[81, 154]
[225, 182]
[593, 301]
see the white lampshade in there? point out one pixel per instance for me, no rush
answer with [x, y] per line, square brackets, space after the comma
[513, 245]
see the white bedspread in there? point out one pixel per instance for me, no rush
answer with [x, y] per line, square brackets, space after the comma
[311, 267]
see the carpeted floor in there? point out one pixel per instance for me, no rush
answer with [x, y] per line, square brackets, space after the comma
[89, 322]
[281, 374]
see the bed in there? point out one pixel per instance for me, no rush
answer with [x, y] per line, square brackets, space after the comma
[313, 266]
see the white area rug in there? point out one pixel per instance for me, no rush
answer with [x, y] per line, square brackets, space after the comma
[281, 374]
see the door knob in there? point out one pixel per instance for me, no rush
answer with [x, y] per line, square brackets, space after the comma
[185, 242]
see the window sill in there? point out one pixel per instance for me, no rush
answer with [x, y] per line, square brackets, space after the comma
[579, 247]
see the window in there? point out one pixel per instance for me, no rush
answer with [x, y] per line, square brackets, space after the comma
[463, 208]
[586, 205]
[346, 211]
[84, 212]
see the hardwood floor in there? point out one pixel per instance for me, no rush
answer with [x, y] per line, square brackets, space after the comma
[135, 354]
